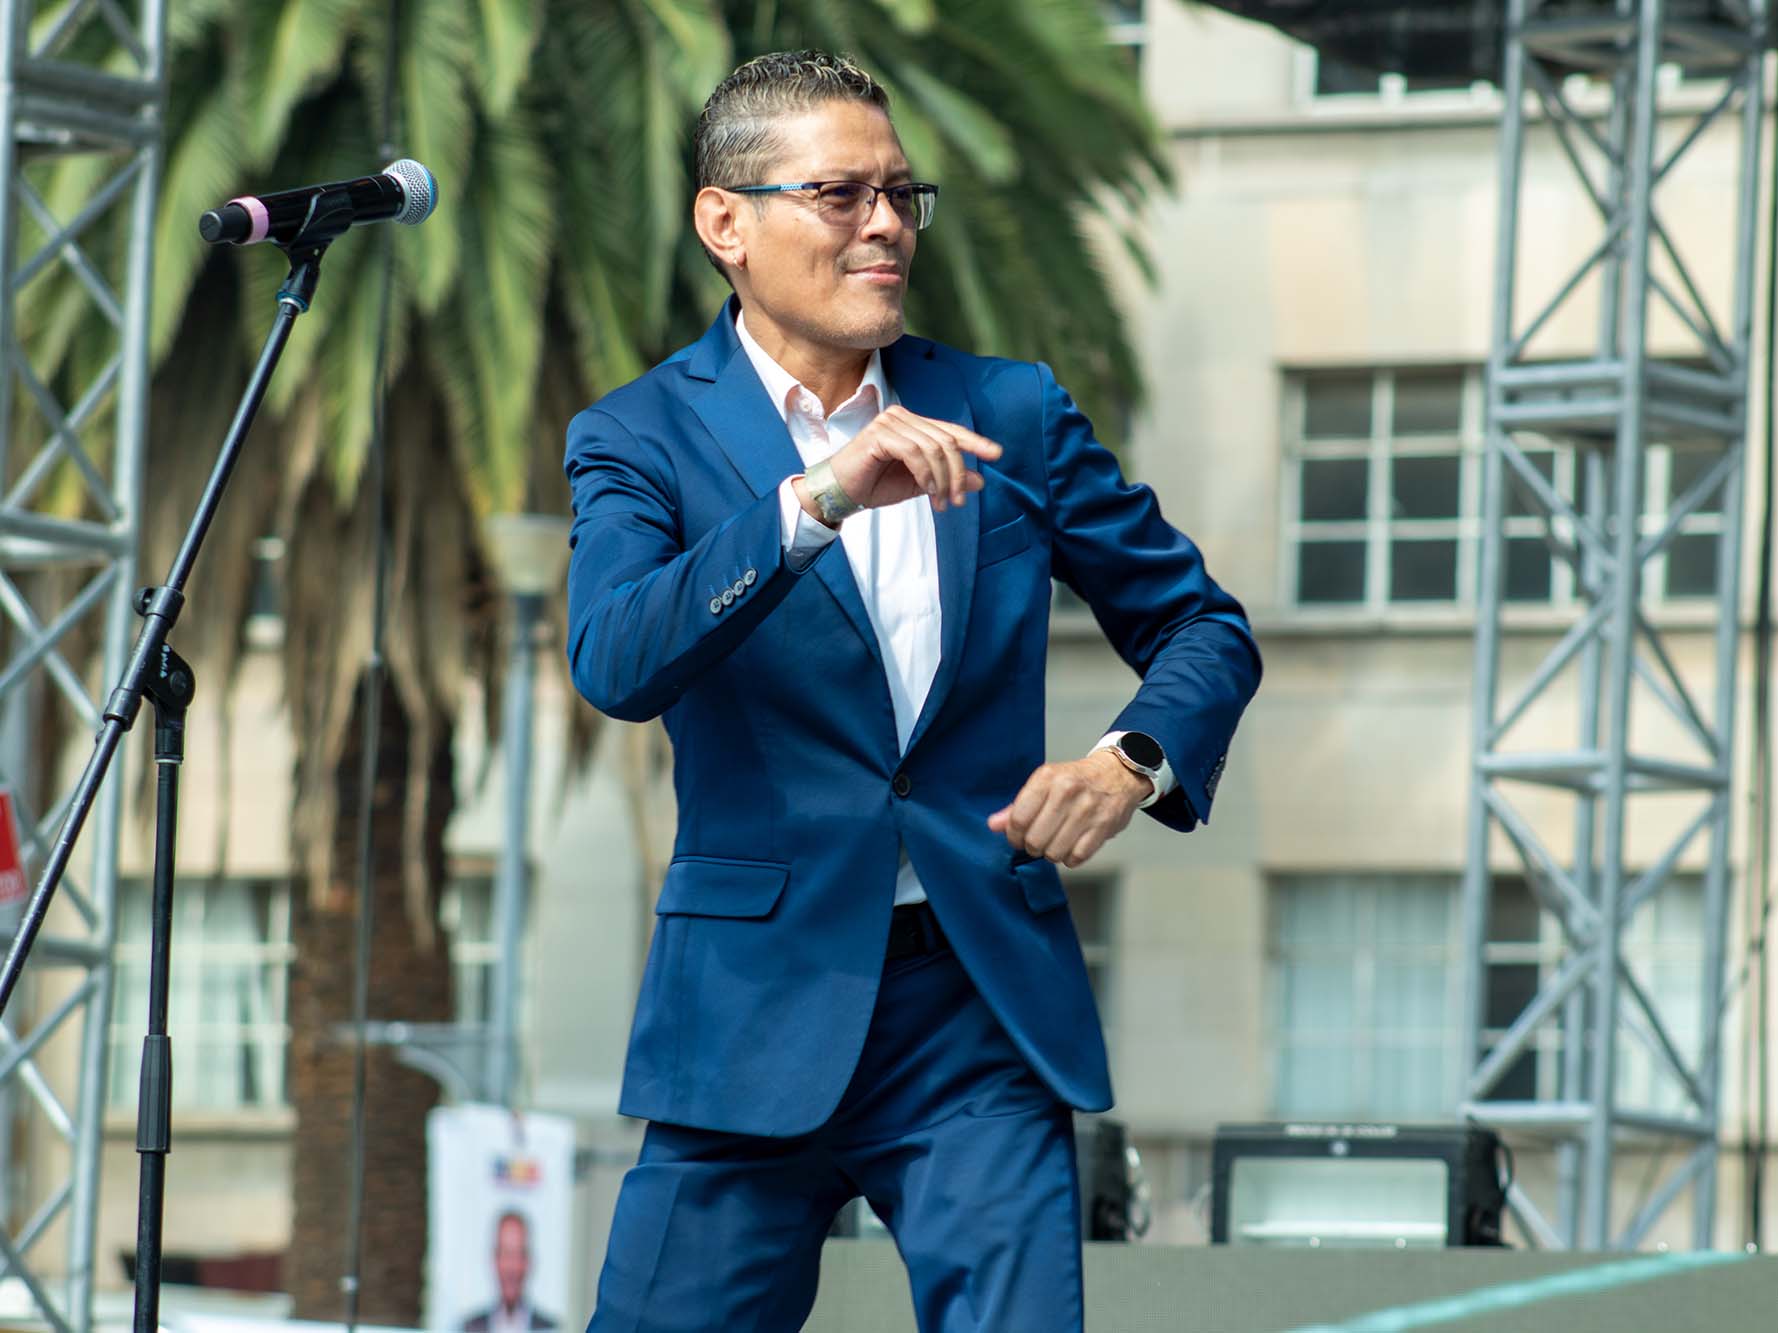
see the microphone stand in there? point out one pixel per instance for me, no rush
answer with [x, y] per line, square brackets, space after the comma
[158, 672]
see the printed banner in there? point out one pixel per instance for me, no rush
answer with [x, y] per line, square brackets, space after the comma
[501, 1192]
[14, 888]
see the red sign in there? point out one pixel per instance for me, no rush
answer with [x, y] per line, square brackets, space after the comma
[13, 888]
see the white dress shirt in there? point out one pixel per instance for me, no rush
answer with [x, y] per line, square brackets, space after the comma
[893, 551]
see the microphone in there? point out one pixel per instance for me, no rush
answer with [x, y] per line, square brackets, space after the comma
[403, 191]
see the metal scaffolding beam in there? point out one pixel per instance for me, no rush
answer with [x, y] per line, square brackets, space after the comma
[82, 86]
[1613, 669]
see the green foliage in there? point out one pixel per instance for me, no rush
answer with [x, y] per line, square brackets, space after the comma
[560, 262]
[559, 134]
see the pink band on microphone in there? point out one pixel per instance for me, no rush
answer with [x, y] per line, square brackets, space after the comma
[262, 222]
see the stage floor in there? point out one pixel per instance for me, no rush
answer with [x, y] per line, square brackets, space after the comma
[1142, 1288]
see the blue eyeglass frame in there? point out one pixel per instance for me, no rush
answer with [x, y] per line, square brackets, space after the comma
[919, 190]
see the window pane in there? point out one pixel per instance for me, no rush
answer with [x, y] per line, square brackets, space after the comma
[1410, 999]
[1361, 987]
[1335, 489]
[1426, 486]
[1433, 83]
[1423, 571]
[1519, 1082]
[1518, 503]
[1513, 913]
[1409, 1080]
[1413, 915]
[1337, 407]
[1318, 1081]
[1318, 997]
[227, 1004]
[1317, 913]
[1511, 986]
[1335, 78]
[1330, 571]
[1691, 565]
[1583, 487]
[1529, 570]
[1686, 466]
[1428, 402]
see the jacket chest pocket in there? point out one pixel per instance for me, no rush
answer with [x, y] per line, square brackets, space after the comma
[999, 543]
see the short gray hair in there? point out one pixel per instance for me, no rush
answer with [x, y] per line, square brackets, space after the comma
[736, 137]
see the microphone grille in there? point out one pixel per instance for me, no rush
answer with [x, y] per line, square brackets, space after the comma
[417, 186]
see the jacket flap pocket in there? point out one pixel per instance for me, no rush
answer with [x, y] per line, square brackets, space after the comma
[1007, 539]
[1042, 885]
[721, 886]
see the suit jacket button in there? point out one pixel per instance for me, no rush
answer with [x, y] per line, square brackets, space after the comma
[750, 577]
[739, 588]
[901, 785]
[716, 606]
[728, 597]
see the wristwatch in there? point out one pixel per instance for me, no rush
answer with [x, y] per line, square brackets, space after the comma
[1141, 753]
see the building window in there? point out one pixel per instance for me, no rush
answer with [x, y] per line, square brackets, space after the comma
[467, 914]
[1126, 26]
[1365, 971]
[264, 625]
[1382, 476]
[228, 1006]
[1092, 901]
[1383, 498]
[1688, 566]
[1364, 998]
[1663, 947]
[1336, 78]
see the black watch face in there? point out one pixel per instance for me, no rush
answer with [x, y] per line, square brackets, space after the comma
[1143, 749]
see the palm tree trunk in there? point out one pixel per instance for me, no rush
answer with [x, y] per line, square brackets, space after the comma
[409, 981]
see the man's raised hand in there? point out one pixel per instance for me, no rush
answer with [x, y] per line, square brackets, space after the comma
[1066, 812]
[902, 454]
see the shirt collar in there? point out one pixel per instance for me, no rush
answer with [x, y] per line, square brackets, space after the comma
[781, 385]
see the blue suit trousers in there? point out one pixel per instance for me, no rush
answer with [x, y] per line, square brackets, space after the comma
[964, 1153]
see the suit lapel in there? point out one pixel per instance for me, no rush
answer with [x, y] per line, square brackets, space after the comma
[931, 388]
[746, 426]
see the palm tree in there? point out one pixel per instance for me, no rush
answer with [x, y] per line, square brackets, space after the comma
[559, 266]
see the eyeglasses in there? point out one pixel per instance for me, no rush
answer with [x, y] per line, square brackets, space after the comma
[849, 203]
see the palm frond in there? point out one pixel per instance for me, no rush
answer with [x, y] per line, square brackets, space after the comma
[506, 31]
[288, 51]
[439, 130]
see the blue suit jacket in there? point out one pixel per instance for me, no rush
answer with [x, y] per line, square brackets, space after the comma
[794, 802]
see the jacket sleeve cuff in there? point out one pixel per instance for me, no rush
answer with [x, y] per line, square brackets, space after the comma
[804, 538]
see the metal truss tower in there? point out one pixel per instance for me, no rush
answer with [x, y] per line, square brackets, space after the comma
[82, 84]
[1652, 728]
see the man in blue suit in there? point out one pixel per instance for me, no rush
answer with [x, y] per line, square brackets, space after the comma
[821, 551]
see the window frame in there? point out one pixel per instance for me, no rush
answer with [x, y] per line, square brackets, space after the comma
[1653, 939]
[474, 957]
[127, 1022]
[1359, 1040]
[1379, 528]
[1130, 33]
[1395, 100]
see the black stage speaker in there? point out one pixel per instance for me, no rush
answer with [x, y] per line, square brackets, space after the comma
[1114, 1200]
[1317, 1184]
